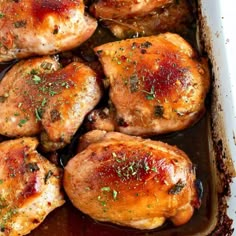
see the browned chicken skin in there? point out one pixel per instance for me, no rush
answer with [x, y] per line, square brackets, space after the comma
[39, 96]
[120, 9]
[130, 181]
[177, 18]
[32, 27]
[30, 187]
[157, 84]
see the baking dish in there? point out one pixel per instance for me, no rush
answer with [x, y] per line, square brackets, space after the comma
[216, 21]
[210, 144]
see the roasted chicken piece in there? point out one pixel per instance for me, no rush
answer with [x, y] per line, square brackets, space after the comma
[123, 9]
[30, 187]
[130, 181]
[38, 96]
[157, 84]
[32, 27]
[177, 17]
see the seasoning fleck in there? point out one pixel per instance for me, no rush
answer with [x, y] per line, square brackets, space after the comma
[22, 122]
[158, 111]
[105, 189]
[47, 176]
[115, 193]
[32, 167]
[36, 79]
[177, 188]
[20, 24]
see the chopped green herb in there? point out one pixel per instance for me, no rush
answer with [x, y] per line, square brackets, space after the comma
[52, 93]
[38, 114]
[43, 89]
[146, 167]
[22, 122]
[129, 170]
[103, 203]
[65, 84]
[154, 169]
[151, 95]
[1, 181]
[105, 189]
[2, 15]
[36, 79]
[44, 101]
[120, 159]
[34, 72]
[114, 193]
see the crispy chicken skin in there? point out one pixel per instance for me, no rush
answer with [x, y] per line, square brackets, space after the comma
[32, 27]
[119, 9]
[29, 187]
[130, 181]
[38, 96]
[177, 18]
[157, 84]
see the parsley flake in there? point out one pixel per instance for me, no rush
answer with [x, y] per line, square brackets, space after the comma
[22, 122]
[36, 79]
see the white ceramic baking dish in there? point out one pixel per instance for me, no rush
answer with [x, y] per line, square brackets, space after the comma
[217, 27]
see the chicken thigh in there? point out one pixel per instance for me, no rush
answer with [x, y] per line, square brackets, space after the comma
[157, 85]
[38, 96]
[30, 187]
[32, 27]
[177, 18]
[130, 181]
[123, 9]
